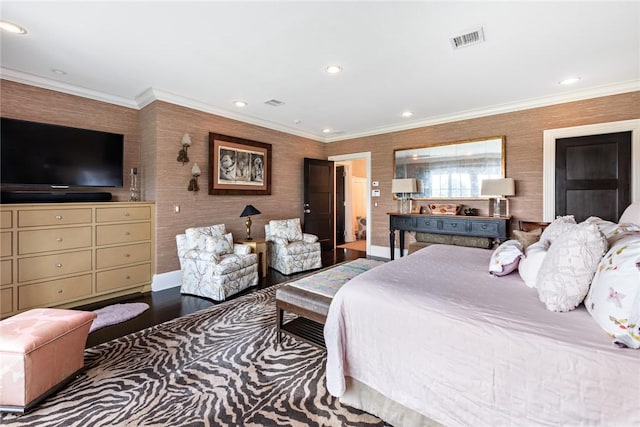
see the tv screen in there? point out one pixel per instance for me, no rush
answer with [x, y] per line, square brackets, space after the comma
[38, 154]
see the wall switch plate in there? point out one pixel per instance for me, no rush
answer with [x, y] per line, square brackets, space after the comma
[375, 183]
[176, 208]
[375, 193]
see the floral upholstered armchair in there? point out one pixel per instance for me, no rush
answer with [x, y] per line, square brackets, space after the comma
[212, 265]
[290, 250]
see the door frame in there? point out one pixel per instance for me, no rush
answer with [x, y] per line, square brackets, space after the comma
[549, 158]
[366, 156]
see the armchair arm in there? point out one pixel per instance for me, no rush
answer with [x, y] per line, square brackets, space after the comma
[201, 256]
[279, 241]
[240, 249]
[309, 238]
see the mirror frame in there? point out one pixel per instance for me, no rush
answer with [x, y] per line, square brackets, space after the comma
[416, 196]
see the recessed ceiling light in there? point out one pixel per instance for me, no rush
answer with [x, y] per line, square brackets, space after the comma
[326, 130]
[239, 103]
[296, 121]
[407, 114]
[12, 28]
[57, 71]
[333, 69]
[570, 81]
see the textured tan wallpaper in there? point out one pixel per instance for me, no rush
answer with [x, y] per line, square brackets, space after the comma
[153, 138]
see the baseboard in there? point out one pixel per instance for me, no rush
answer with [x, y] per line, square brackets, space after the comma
[383, 252]
[167, 280]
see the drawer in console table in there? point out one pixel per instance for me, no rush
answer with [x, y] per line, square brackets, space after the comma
[70, 254]
[477, 226]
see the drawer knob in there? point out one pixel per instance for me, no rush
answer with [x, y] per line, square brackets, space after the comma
[59, 240]
[59, 291]
[58, 217]
[127, 255]
[128, 277]
[58, 265]
[127, 214]
[126, 233]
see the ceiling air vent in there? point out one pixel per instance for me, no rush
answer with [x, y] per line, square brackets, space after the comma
[274, 102]
[473, 37]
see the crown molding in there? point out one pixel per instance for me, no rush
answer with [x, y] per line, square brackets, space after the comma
[578, 95]
[58, 86]
[153, 94]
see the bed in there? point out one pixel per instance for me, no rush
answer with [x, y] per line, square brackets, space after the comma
[434, 338]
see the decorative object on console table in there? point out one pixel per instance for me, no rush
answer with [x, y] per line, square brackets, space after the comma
[499, 188]
[247, 212]
[479, 226]
[183, 153]
[193, 183]
[404, 186]
[259, 246]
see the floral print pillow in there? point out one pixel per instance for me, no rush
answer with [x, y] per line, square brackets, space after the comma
[196, 236]
[505, 259]
[614, 298]
[286, 229]
[220, 245]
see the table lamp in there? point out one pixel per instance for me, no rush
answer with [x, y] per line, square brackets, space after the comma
[247, 212]
[404, 186]
[498, 188]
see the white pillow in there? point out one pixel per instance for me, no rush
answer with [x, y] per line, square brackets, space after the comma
[614, 298]
[559, 226]
[569, 266]
[612, 231]
[505, 258]
[631, 214]
[532, 261]
[220, 245]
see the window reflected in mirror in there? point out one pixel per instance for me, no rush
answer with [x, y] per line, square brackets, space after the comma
[453, 170]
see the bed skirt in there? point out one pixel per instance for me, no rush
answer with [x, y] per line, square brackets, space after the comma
[360, 396]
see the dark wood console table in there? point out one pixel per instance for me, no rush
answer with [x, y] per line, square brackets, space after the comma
[479, 226]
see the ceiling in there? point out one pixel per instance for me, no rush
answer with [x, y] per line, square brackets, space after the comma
[395, 56]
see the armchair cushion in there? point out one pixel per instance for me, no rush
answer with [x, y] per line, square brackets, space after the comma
[240, 249]
[289, 229]
[196, 236]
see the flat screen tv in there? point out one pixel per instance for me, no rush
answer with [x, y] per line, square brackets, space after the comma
[41, 155]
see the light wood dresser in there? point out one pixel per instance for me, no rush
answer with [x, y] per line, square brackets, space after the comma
[69, 254]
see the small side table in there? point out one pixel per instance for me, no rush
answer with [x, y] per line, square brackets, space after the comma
[259, 246]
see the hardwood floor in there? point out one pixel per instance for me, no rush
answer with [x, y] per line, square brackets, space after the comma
[169, 303]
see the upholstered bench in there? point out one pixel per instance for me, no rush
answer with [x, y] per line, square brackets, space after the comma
[40, 351]
[310, 298]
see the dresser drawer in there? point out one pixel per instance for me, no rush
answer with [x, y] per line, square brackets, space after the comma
[485, 228]
[6, 219]
[134, 213]
[6, 300]
[53, 217]
[6, 243]
[123, 255]
[123, 277]
[122, 233]
[427, 224]
[36, 241]
[6, 272]
[54, 292]
[53, 265]
[455, 226]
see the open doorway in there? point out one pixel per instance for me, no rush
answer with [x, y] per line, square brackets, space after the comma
[352, 201]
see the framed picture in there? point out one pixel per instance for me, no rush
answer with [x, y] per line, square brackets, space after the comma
[238, 166]
[416, 209]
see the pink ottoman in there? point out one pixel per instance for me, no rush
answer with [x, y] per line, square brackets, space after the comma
[40, 351]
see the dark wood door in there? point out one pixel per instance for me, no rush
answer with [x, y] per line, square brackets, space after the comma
[319, 200]
[340, 205]
[593, 175]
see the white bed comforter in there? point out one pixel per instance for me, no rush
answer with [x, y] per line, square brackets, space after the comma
[438, 334]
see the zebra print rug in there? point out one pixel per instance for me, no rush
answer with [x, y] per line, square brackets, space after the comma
[216, 367]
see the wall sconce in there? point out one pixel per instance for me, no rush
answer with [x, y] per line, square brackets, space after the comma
[193, 183]
[183, 153]
[499, 188]
[248, 211]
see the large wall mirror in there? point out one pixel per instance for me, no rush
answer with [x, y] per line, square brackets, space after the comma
[453, 170]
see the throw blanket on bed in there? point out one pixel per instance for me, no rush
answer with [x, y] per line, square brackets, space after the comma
[437, 333]
[328, 282]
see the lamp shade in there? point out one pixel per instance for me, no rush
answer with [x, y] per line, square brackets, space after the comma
[249, 210]
[498, 187]
[186, 140]
[404, 185]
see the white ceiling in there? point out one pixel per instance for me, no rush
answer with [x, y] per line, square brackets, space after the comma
[396, 56]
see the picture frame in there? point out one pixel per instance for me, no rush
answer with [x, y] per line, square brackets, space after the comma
[416, 209]
[238, 166]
